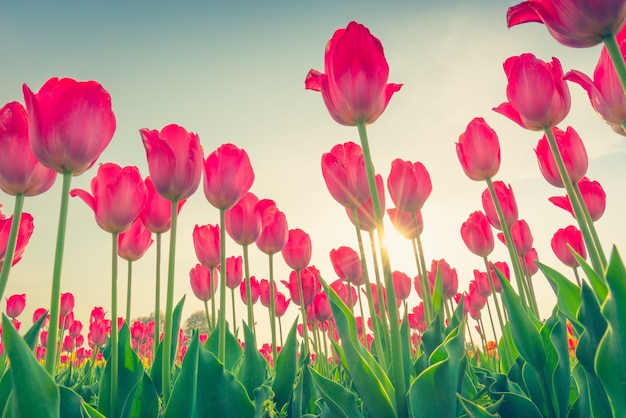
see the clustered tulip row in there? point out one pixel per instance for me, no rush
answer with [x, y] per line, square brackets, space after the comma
[388, 360]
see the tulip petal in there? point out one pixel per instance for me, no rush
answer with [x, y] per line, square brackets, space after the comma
[522, 13]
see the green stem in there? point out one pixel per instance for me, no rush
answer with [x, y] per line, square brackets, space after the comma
[426, 293]
[94, 356]
[11, 243]
[222, 311]
[577, 276]
[592, 228]
[55, 299]
[616, 57]
[129, 290]
[529, 286]
[273, 308]
[508, 239]
[594, 255]
[303, 308]
[399, 379]
[157, 297]
[232, 302]
[208, 319]
[169, 307]
[212, 288]
[280, 330]
[246, 270]
[379, 287]
[114, 330]
[498, 310]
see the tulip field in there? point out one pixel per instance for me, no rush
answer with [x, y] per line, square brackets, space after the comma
[356, 348]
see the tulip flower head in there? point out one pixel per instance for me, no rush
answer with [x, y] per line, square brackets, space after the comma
[243, 220]
[573, 23]
[66, 304]
[20, 171]
[354, 86]
[538, 97]
[593, 196]
[401, 285]
[206, 242]
[409, 185]
[522, 237]
[70, 123]
[201, 282]
[25, 231]
[157, 213]
[297, 250]
[572, 151]
[404, 223]
[254, 290]
[234, 272]
[506, 198]
[118, 196]
[565, 241]
[365, 212]
[478, 150]
[343, 169]
[477, 234]
[274, 229]
[134, 242]
[15, 305]
[228, 176]
[347, 265]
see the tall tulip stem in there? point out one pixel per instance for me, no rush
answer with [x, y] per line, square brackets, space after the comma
[55, 299]
[129, 290]
[612, 47]
[222, 312]
[394, 324]
[157, 296]
[592, 228]
[114, 330]
[305, 330]
[169, 307]
[272, 307]
[11, 243]
[246, 271]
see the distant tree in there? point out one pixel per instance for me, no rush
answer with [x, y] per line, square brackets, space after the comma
[196, 320]
[148, 318]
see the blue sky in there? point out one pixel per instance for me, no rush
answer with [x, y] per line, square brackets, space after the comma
[234, 72]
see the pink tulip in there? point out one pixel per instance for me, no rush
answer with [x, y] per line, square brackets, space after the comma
[403, 223]
[521, 236]
[593, 195]
[477, 234]
[274, 229]
[25, 231]
[234, 272]
[75, 329]
[416, 318]
[157, 213]
[530, 261]
[297, 250]
[572, 23]
[66, 304]
[243, 220]
[506, 198]
[409, 185]
[206, 242]
[97, 335]
[138, 331]
[134, 242]
[503, 268]
[449, 278]
[483, 286]
[538, 97]
[340, 287]
[175, 160]
[401, 284]
[572, 151]
[70, 123]
[15, 305]
[343, 169]
[565, 238]
[20, 171]
[228, 176]
[264, 292]
[347, 265]
[321, 307]
[365, 212]
[478, 150]
[281, 303]
[354, 87]
[38, 313]
[119, 195]
[254, 290]
[309, 278]
[201, 281]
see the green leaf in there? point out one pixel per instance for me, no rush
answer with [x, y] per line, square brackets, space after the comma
[35, 394]
[567, 293]
[525, 334]
[142, 400]
[32, 335]
[511, 399]
[263, 396]
[438, 297]
[233, 348]
[556, 370]
[598, 283]
[285, 370]
[157, 364]
[609, 365]
[130, 372]
[305, 396]
[339, 399]
[71, 403]
[253, 370]
[369, 379]
[580, 407]
[474, 410]
[182, 402]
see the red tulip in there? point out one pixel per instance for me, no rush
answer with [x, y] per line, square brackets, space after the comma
[478, 150]
[538, 96]
[593, 195]
[503, 268]
[347, 265]
[416, 318]
[243, 221]
[206, 242]
[234, 272]
[281, 303]
[157, 213]
[138, 331]
[565, 238]
[228, 176]
[97, 335]
[354, 88]
[20, 171]
[365, 212]
[75, 329]
[572, 151]
[264, 292]
[321, 307]
[409, 185]
[254, 290]
[341, 289]
[97, 314]
[119, 195]
[70, 123]
[68, 344]
[66, 304]
[449, 278]
[572, 23]
[15, 305]
[274, 229]
[297, 250]
[309, 278]
[65, 321]
[345, 176]
[483, 286]
[201, 281]
[605, 90]
[403, 223]
[133, 244]
[39, 312]
[530, 260]
[506, 198]
[477, 235]
[401, 284]
[175, 160]
[24, 233]
[522, 237]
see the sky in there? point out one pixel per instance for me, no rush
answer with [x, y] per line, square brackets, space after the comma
[234, 72]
